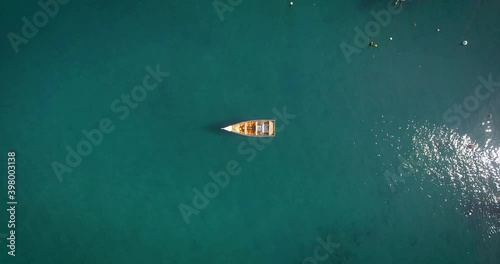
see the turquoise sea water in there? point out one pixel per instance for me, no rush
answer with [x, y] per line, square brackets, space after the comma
[372, 158]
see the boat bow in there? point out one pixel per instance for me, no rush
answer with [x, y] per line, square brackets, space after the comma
[228, 128]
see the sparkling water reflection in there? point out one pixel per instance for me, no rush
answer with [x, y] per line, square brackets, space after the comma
[460, 168]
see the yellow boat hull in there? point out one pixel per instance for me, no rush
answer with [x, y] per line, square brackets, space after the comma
[254, 128]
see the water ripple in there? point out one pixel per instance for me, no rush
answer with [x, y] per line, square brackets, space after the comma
[445, 162]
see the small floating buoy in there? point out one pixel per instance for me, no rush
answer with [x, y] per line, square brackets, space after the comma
[291, 4]
[390, 38]
[464, 43]
[437, 29]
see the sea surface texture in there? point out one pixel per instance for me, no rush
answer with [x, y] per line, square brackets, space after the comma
[384, 153]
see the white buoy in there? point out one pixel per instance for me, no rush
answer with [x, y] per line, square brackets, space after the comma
[291, 3]
[437, 29]
[390, 38]
[464, 43]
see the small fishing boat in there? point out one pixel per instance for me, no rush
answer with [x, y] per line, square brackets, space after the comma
[253, 128]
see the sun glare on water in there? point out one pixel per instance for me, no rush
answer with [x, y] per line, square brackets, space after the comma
[458, 167]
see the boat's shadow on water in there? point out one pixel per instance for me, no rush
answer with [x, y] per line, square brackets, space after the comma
[213, 129]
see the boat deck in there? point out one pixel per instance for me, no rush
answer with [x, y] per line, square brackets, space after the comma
[256, 128]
